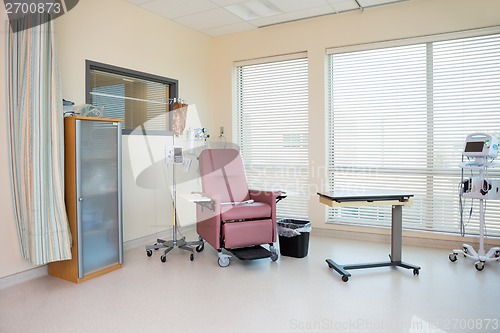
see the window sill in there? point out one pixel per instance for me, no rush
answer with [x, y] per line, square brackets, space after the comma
[410, 237]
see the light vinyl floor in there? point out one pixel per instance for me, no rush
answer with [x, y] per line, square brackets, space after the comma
[289, 295]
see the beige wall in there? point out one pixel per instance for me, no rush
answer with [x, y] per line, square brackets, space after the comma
[119, 34]
[402, 20]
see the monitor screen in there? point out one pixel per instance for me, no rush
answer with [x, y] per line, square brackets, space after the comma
[474, 147]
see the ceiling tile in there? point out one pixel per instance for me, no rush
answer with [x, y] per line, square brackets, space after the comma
[343, 5]
[369, 3]
[295, 5]
[214, 17]
[177, 8]
[209, 19]
[224, 3]
[229, 29]
[253, 9]
[286, 17]
[138, 2]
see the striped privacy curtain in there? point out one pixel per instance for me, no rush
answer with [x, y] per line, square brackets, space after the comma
[36, 141]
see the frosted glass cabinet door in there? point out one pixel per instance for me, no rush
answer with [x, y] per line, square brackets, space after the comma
[98, 182]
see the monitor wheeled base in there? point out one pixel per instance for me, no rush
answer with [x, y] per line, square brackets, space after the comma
[480, 258]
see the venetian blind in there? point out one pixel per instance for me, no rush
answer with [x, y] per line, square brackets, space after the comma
[399, 116]
[138, 101]
[272, 128]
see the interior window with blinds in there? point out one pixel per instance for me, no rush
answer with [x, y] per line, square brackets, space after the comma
[139, 99]
[398, 119]
[272, 129]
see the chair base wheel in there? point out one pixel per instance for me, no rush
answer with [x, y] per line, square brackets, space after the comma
[223, 261]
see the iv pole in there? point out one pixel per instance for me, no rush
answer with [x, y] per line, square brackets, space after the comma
[181, 243]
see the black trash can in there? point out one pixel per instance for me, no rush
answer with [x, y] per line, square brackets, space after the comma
[294, 237]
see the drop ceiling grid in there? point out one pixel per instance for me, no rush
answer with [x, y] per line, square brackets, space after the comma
[220, 17]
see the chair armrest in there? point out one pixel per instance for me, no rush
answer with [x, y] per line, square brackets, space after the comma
[208, 200]
[208, 219]
[268, 197]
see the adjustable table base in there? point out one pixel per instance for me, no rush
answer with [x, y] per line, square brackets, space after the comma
[342, 269]
[373, 198]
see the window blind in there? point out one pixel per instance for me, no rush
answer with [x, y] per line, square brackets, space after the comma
[139, 99]
[272, 129]
[135, 101]
[111, 98]
[398, 118]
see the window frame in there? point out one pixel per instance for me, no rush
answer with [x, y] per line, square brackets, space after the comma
[329, 106]
[173, 86]
[237, 135]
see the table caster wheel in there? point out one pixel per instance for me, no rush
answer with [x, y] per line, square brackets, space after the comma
[149, 253]
[163, 258]
[452, 257]
[479, 265]
[416, 271]
[345, 278]
[191, 257]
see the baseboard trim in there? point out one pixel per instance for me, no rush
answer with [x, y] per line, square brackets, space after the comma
[146, 240]
[24, 276]
[41, 271]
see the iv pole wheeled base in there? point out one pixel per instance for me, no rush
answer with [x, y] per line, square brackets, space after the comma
[181, 243]
[169, 245]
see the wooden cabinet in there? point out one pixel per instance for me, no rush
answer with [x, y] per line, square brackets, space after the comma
[93, 198]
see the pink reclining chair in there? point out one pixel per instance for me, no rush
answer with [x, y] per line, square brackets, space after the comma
[236, 219]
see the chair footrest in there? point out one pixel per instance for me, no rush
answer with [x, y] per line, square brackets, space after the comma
[250, 253]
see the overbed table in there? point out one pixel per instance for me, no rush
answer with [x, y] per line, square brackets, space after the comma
[350, 198]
